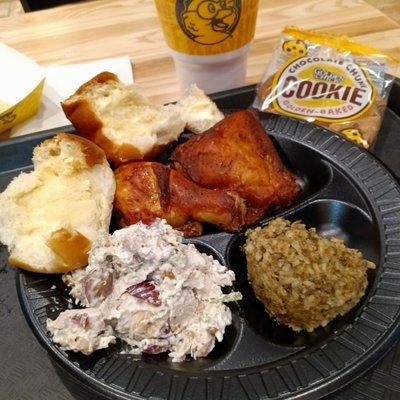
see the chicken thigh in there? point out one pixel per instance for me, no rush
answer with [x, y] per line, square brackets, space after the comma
[146, 190]
[237, 155]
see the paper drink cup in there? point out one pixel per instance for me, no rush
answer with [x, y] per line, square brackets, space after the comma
[209, 40]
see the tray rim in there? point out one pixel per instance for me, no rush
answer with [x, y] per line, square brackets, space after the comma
[341, 379]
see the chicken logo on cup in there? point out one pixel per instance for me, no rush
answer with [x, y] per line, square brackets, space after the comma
[208, 21]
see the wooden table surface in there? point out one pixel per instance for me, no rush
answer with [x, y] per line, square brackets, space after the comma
[106, 28]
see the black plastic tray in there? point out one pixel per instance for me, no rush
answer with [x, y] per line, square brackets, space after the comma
[348, 191]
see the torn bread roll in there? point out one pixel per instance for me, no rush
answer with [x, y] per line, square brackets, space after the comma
[127, 125]
[120, 120]
[199, 112]
[50, 216]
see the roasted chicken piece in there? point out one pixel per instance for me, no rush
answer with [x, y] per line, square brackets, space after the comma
[237, 155]
[146, 190]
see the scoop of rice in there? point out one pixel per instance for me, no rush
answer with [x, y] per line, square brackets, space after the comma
[303, 280]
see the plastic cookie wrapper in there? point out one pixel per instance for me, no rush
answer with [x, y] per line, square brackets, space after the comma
[329, 80]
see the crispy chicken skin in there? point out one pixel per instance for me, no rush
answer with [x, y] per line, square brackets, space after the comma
[237, 155]
[146, 190]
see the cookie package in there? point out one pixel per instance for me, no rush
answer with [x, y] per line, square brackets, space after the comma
[330, 80]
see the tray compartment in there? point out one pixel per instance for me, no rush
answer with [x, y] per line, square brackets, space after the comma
[50, 297]
[161, 362]
[313, 172]
[331, 218]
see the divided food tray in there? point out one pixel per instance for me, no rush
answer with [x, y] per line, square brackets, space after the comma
[346, 193]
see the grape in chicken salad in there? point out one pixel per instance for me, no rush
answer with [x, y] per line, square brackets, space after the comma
[147, 288]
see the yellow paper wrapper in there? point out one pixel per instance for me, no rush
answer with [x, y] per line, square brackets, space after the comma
[21, 83]
[207, 27]
[21, 111]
